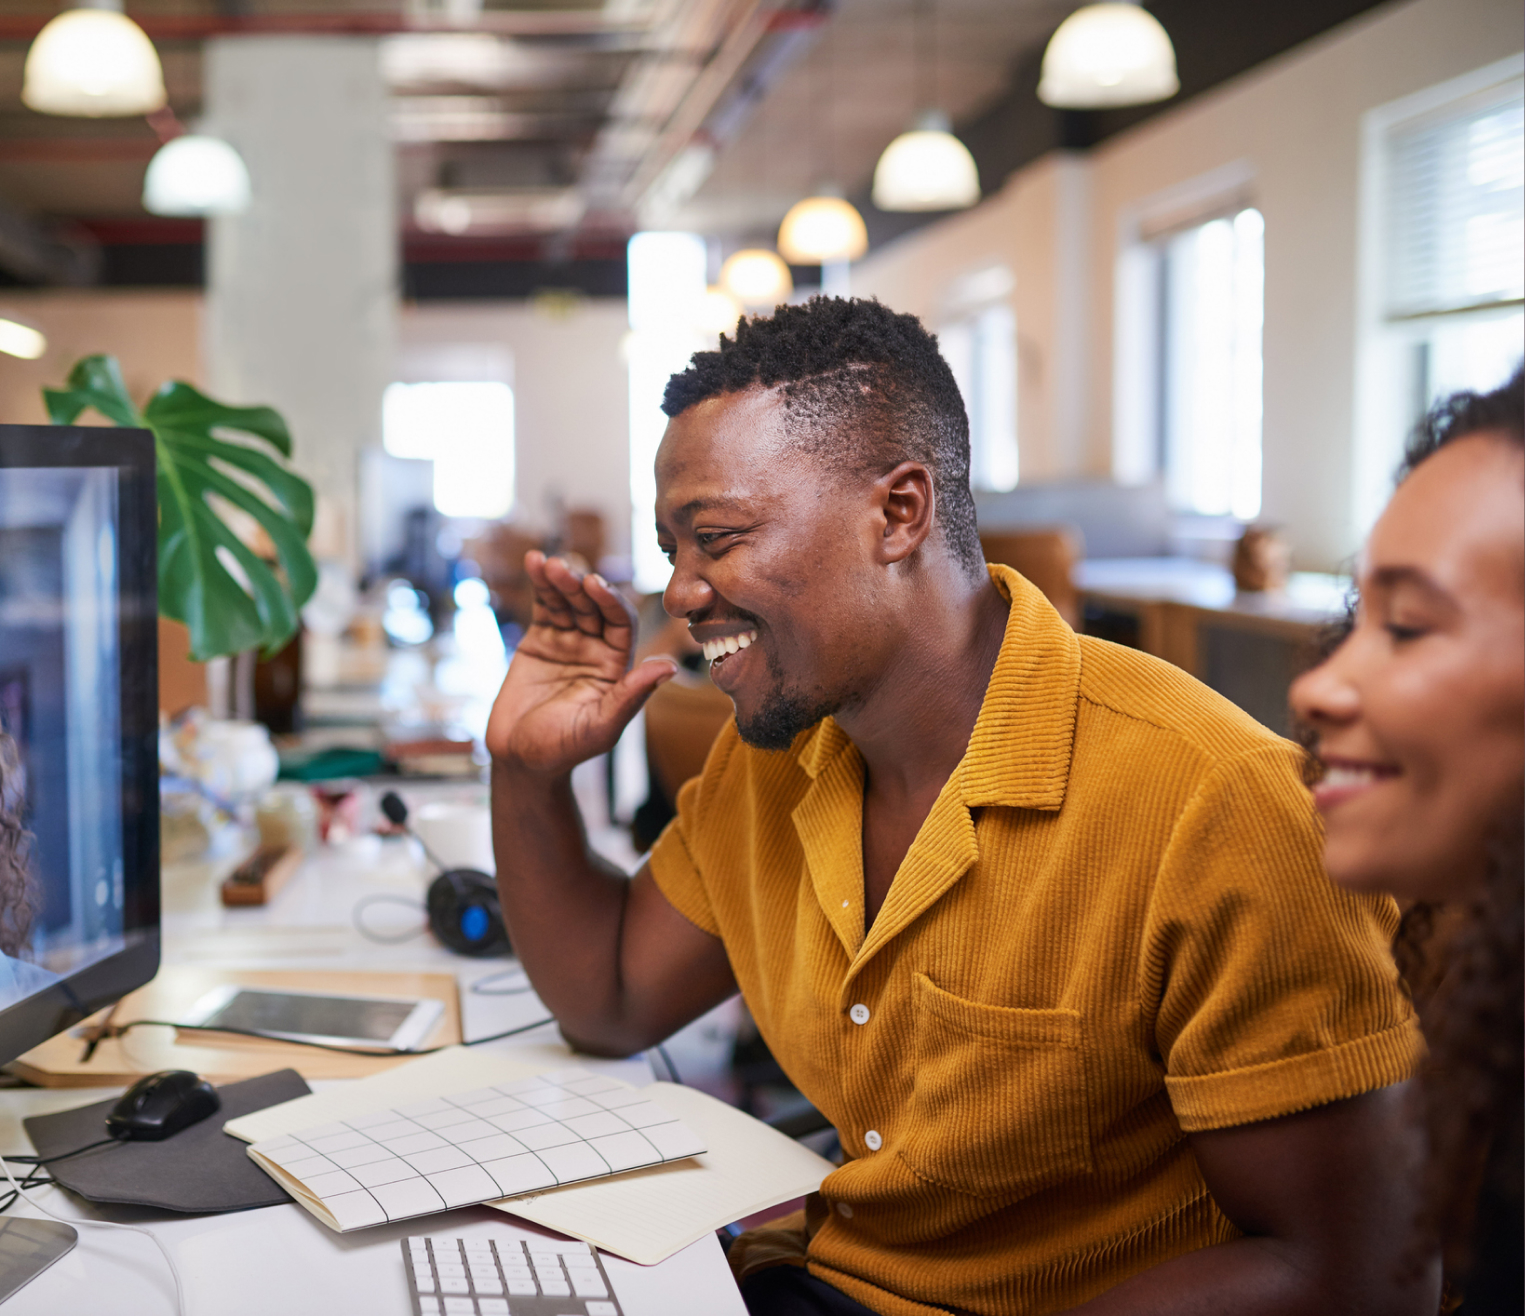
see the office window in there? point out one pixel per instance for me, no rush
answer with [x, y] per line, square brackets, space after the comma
[1455, 241]
[667, 283]
[467, 431]
[1211, 285]
[981, 350]
[1442, 261]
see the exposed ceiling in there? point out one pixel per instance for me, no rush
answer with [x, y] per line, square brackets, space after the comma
[565, 119]
[543, 131]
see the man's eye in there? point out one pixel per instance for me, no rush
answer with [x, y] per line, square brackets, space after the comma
[708, 539]
[1402, 634]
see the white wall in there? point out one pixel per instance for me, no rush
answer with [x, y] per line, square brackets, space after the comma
[570, 410]
[1295, 124]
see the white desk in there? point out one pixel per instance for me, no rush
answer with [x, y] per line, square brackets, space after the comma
[280, 1260]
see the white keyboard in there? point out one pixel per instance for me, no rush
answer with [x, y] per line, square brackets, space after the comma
[504, 1276]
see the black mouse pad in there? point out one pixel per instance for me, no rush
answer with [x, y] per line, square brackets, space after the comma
[199, 1169]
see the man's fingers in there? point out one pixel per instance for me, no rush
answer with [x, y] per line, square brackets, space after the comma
[551, 605]
[586, 614]
[612, 605]
[634, 688]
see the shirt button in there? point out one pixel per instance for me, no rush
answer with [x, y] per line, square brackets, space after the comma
[873, 1140]
[844, 1210]
[859, 1013]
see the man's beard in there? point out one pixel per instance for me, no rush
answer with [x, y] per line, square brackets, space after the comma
[784, 714]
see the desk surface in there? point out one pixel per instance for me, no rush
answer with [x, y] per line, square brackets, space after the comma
[280, 1259]
[1310, 597]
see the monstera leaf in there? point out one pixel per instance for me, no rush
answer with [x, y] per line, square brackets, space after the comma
[229, 598]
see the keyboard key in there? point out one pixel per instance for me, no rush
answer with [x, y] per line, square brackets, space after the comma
[450, 1269]
[488, 1284]
[555, 1288]
[429, 1306]
[460, 1307]
[589, 1284]
[516, 1272]
[524, 1288]
[545, 1259]
[602, 1309]
[424, 1278]
[495, 1307]
[454, 1285]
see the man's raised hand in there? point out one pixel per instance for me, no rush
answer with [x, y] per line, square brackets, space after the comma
[570, 689]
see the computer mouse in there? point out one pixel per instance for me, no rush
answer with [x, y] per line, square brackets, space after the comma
[162, 1104]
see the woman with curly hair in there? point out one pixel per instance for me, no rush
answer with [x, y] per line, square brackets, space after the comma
[1418, 719]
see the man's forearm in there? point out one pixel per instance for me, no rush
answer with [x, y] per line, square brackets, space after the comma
[1272, 1277]
[563, 904]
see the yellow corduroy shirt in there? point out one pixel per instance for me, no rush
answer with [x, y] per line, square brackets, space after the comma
[1113, 929]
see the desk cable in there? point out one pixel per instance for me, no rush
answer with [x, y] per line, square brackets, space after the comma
[20, 1190]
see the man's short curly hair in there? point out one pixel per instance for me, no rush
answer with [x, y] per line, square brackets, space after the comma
[864, 388]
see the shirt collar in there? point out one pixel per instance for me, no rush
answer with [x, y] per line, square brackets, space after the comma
[1019, 752]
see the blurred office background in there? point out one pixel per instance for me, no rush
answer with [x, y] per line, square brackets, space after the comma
[461, 243]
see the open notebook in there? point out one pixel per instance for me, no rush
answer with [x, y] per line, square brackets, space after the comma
[463, 1148]
[739, 1166]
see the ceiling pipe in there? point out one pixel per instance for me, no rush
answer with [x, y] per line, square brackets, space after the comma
[500, 22]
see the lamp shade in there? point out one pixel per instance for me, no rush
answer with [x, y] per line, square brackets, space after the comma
[927, 168]
[93, 63]
[1105, 55]
[196, 175]
[718, 311]
[756, 277]
[821, 230]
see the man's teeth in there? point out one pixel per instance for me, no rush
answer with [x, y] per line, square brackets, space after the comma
[726, 644]
[1341, 775]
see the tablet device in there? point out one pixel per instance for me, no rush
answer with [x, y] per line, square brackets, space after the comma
[372, 1022]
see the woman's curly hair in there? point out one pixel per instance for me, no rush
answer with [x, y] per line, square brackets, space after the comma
[1462, 962]
[17, 893]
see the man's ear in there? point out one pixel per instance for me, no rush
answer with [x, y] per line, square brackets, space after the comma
[905, 500]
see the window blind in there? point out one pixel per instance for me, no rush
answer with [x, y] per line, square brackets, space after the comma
[1456, 225]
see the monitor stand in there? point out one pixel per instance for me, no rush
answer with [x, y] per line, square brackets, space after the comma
[29, 1247]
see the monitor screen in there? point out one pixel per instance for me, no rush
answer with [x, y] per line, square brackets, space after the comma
[78, 710]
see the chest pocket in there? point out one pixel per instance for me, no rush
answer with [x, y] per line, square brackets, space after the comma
[998, 1098]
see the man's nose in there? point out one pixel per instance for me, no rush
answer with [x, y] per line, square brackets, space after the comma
[687, 592]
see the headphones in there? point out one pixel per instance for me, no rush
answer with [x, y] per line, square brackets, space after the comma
[462, 904]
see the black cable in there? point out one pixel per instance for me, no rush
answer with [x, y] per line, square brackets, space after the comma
[117, 1030]
[62, 1156]
[672, 1069]
[30, 1180]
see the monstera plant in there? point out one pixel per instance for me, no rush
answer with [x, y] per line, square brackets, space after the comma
[212, 456]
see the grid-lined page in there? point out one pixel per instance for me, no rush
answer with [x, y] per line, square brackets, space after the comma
[425, 1156]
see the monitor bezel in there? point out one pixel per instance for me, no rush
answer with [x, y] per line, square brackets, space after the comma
[43, 1014]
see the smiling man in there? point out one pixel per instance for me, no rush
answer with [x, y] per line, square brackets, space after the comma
[1038, 922]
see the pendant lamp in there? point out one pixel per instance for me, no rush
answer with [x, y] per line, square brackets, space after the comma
[718, 311]
[822, 230]
[93, 62]
[756, 276]
[927, 168]
[196, 175]
[1106, 55]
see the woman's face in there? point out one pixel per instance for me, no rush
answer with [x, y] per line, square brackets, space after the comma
[1420, 714]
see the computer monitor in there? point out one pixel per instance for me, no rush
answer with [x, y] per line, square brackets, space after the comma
[79, 915]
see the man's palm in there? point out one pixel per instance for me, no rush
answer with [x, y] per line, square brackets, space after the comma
[569, 690]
